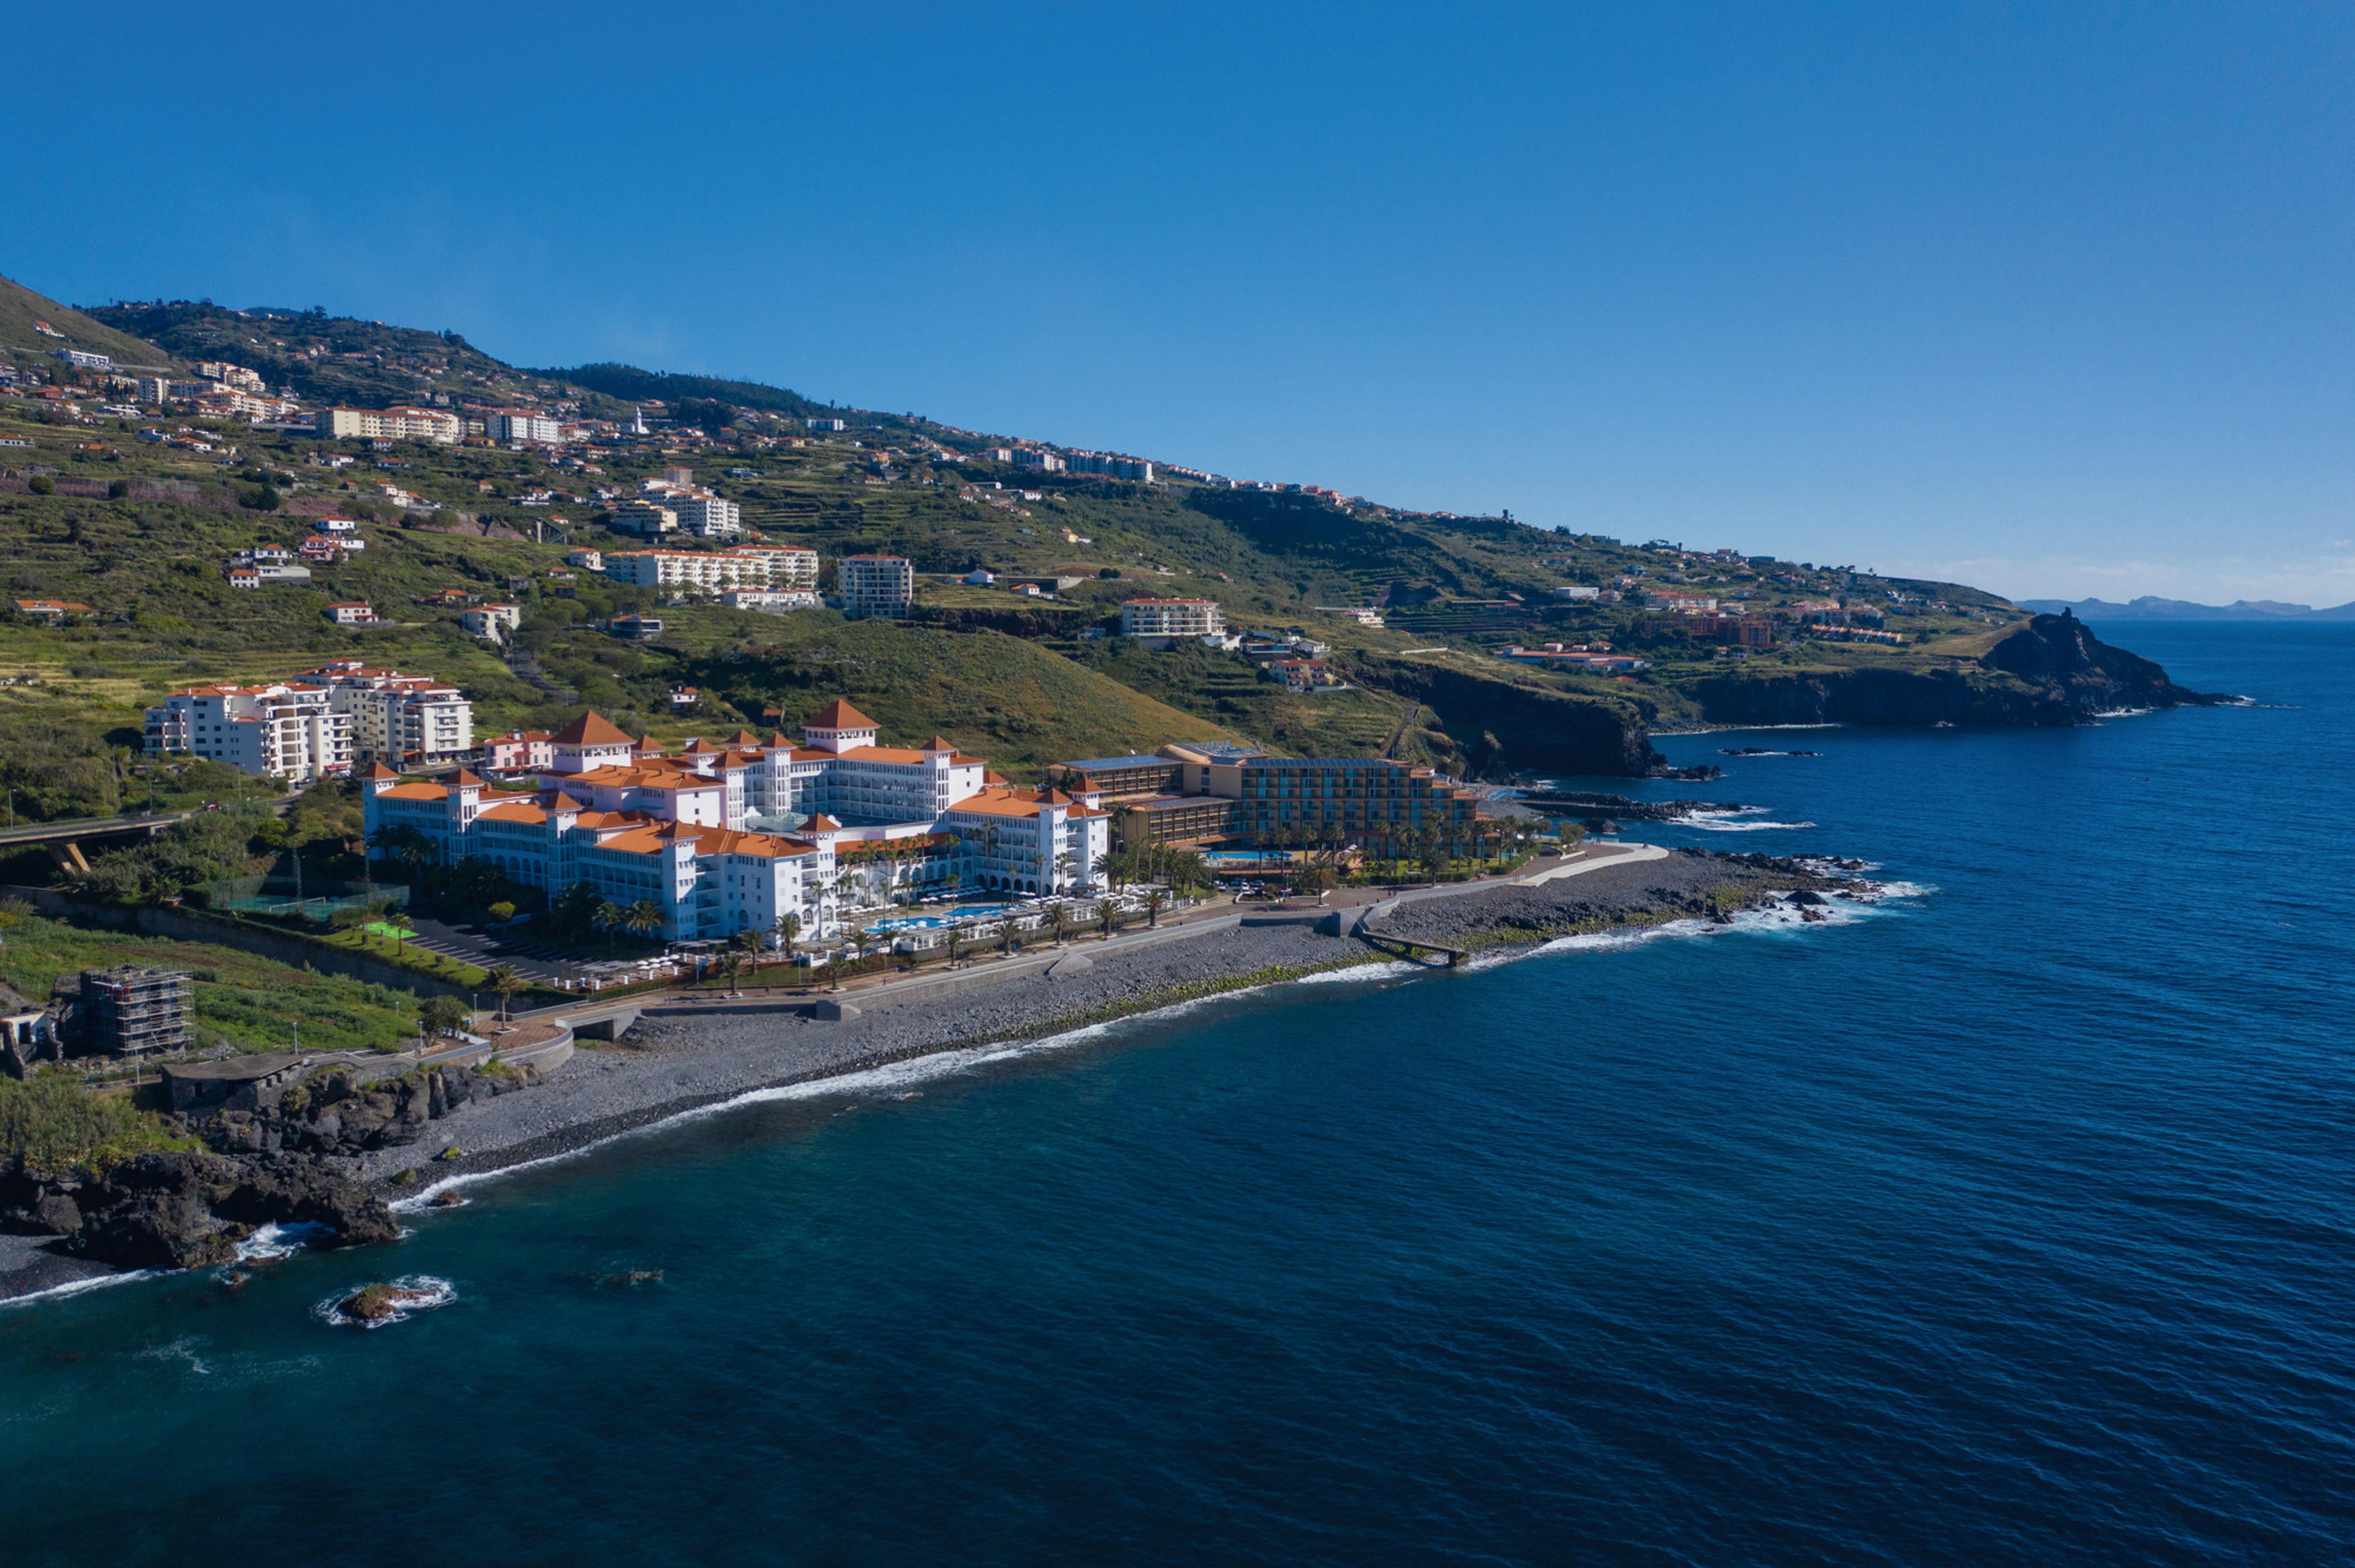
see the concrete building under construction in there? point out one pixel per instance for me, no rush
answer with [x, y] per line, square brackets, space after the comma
[134, 1010]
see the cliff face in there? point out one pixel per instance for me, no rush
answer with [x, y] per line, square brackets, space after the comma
[1501, 728]
[2053, 671]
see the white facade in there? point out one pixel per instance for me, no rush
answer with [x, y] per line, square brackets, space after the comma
[521, 425]
[398, 424]
[1172, 618]
[290, 732]
[401, 718]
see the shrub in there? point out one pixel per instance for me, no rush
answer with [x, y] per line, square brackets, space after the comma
[54, 1124]
[41, 485]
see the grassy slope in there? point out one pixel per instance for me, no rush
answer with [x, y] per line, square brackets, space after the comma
[20, 307]
[251, 1003]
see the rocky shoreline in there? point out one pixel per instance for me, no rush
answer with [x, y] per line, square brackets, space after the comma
[682, 1060]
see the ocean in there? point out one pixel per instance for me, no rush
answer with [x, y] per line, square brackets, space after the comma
[2009, 1221]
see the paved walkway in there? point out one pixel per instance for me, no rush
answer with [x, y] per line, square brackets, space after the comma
[1627, 854]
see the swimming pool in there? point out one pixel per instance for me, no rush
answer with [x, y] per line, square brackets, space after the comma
[956, 916]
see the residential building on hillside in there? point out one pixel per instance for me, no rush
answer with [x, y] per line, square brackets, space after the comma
[827, 425]
[640, 515]
[705, 571]
[404, 719]
[792, 569]
[492, 620]
[1172, 618]
[875, 585]
[770, 601]
[521, 425]
[80, 360]
[395, 424]
[351, 612]
[289, 731]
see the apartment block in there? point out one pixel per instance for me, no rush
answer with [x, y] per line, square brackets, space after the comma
[404, 719]
[279, 731]
[875, 585]
[396, 424]
[1172, 618]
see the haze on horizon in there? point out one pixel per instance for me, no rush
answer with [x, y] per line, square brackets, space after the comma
[2055, 304]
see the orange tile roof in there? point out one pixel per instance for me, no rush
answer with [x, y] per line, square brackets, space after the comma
[379, 770]
[591, 728]
[884, 754]
[838, 715]
[512, 812]
[418, 792]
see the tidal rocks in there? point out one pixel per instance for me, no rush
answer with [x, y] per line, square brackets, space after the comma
[377, 1303]
[190, 1210]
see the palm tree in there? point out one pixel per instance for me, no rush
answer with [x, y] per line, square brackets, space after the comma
[956, 944]
[642, 918]
[612, 917]
[507, 983]
[1155, 900]
[733, 966]
[1058, 919]
[748, 942]
[786, 927]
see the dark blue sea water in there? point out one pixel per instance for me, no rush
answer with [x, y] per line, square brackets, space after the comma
[2013, 1223]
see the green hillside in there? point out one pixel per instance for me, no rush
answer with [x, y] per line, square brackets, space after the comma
[20, 308]
[141, 532]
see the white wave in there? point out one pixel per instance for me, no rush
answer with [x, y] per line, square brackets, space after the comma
[1743, 728]
[431, 1292]
[1880, 892]
[2123, 713]
[77, 1287]
[1712, 823]
[274, 1241]
[1390, 970]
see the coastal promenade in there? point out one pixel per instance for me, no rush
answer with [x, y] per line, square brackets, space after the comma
[869, 991]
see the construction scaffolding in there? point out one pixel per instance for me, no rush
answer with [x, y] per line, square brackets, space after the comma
[132, 1008]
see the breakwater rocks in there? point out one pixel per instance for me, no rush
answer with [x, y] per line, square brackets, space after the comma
[334, 1113]
[2051, 672]
[1687, 883]
[189, 1210]
[1619, 808]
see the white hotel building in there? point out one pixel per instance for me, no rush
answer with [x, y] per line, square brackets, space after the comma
[727, 837]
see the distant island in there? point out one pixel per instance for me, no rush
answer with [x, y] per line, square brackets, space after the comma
[2150, 606]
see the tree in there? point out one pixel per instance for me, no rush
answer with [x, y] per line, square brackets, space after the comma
[787, 927]
[1155, 900]
[956, 944]
[611, 918]
[748, 942]
[1058, 920]
[644, 917]
[440, 1014]
[501, 913]
[507, 983]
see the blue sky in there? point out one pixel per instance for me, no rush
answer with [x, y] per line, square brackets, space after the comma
[2054, 300]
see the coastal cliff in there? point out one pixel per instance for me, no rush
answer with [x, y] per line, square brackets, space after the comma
[2052, 671]
[1498, 728]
